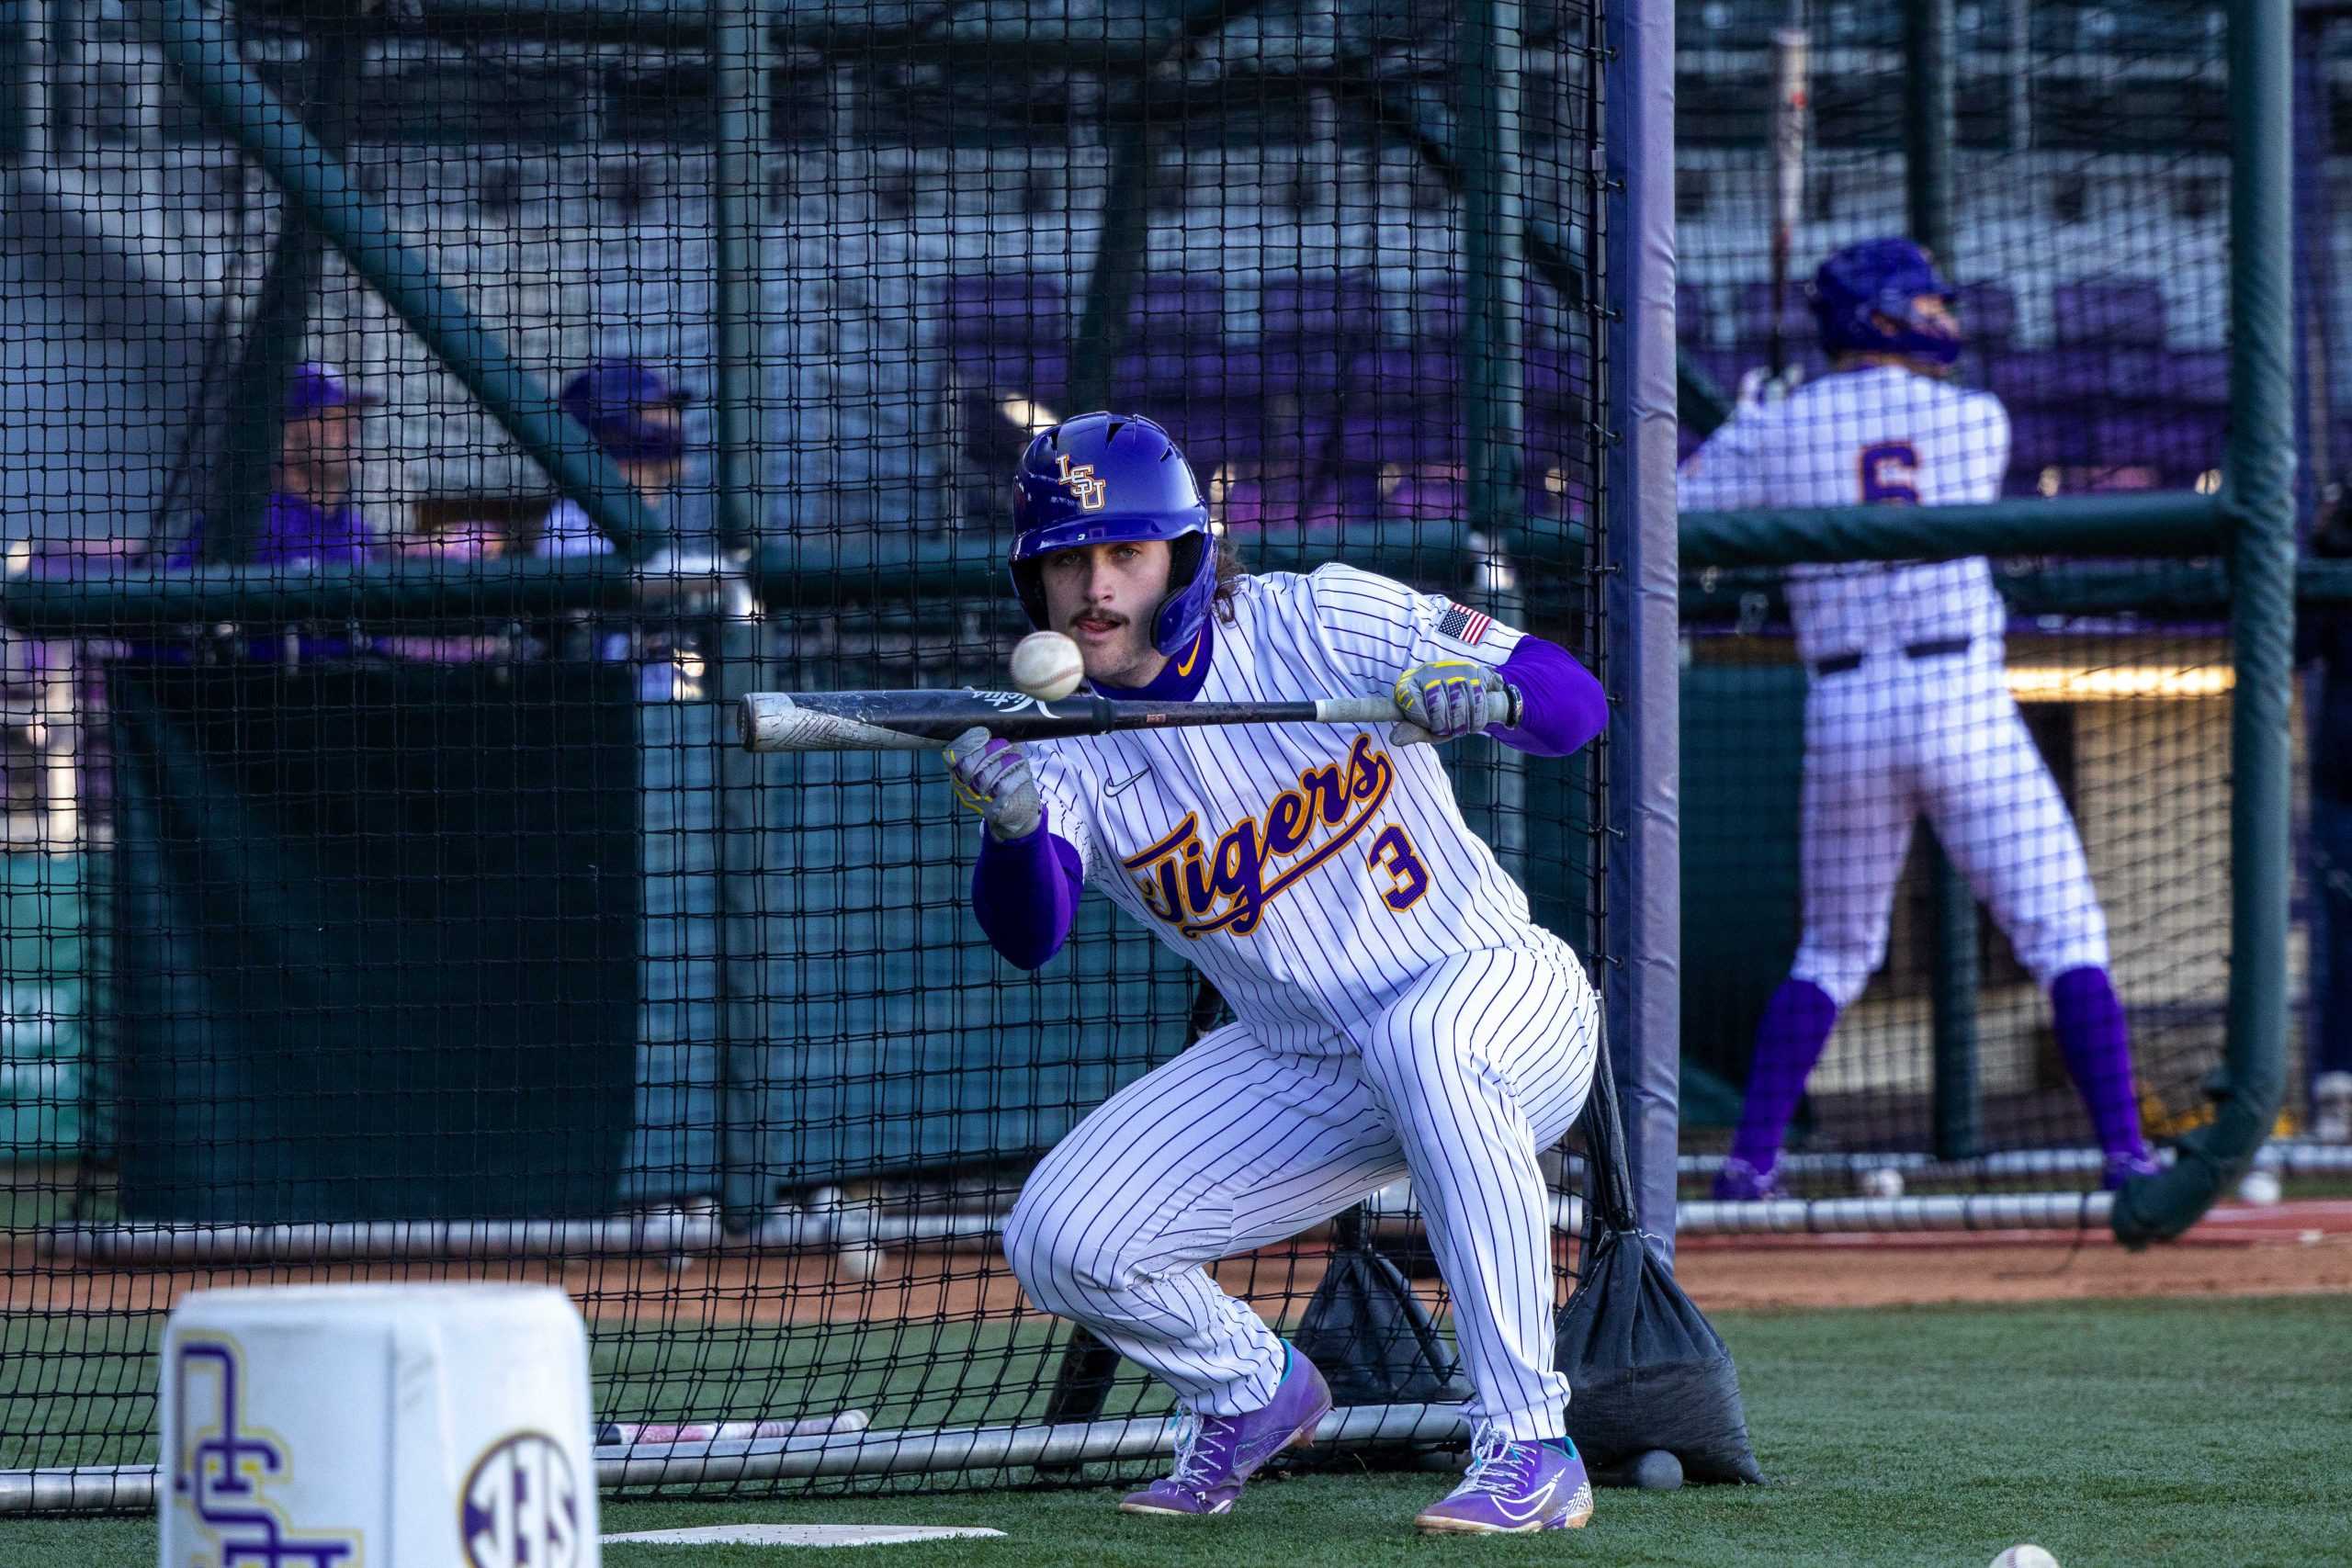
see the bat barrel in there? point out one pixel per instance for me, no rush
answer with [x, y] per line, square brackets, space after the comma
[781, 721]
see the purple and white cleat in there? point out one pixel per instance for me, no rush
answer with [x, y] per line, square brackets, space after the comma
[2124, 1168]
[1740, 1182]
[1514, 1489]
[1217, 1454]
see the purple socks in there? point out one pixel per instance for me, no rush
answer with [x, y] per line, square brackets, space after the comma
[1789, 1039]
[2097, 1047]
[2092, 1036]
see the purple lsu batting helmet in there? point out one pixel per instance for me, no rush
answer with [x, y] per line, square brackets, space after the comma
[1106, 477]
[1862, 297]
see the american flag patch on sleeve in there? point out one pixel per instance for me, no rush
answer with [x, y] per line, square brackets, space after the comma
[1464, 624]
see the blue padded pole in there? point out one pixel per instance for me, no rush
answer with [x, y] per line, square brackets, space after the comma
[1643, 869]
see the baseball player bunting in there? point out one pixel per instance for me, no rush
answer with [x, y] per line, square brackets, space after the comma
[1397, 1012]
[1908, 712]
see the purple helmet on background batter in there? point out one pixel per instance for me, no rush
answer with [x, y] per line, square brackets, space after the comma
[1107, 477]
[1862, 298]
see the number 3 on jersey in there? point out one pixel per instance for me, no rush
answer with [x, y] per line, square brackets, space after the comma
[1890, 471]
[1408, 878]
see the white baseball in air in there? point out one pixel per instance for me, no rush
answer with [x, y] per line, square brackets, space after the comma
[1047, 666]
[1881, 1181]
[2027, 1556]
[2258, 1187]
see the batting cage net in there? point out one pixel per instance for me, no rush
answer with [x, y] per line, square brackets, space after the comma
[1957, 852]
[427, 420]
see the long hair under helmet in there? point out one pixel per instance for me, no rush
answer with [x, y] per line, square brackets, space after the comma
[1110, 477]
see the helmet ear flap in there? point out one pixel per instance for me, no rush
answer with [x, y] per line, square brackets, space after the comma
[1029, 587]
[1184, 561]
[1192, 587]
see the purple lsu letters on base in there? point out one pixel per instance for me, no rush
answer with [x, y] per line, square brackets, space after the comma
[377, 1427]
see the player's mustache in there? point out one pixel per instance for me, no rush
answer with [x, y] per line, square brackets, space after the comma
[1111, 616]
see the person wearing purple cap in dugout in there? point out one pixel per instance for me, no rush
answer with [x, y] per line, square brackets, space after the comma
[639, 421]
[310, 517]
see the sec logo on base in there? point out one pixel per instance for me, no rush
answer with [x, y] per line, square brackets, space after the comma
[521, 1506]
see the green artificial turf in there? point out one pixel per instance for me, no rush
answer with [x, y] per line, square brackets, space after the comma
[2209, 1433]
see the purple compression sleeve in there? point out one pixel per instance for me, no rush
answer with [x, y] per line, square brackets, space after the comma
[1561, 705]
[1025, 893]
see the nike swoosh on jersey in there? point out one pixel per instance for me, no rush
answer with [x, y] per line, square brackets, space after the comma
[1127, 784]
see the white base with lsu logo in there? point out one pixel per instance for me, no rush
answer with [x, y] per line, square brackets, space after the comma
[378, 1426]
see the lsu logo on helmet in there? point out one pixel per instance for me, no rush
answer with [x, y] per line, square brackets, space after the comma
[1090, 492]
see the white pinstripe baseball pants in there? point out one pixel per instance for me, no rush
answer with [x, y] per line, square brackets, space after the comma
[1470, 1071]
[1901, 737]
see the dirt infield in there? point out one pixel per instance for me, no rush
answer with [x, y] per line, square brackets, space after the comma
[2295, 1248]
[2284, 1249]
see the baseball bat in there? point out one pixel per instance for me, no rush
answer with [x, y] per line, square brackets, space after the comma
[1791, 71]
[921, 721]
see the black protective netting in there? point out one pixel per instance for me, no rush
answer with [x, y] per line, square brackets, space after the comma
[2087, 219]
[2061, 725]
[446, 915]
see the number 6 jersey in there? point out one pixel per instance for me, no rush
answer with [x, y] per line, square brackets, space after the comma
[1311, 871]
[1876, 435]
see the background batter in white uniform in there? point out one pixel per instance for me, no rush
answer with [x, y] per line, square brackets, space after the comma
[1908, 712]
[1397, 1012]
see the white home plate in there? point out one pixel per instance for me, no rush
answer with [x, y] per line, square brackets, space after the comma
[798, 1535]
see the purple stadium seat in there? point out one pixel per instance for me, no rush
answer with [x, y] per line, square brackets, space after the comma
[1435, 315]
[2040, 438]
[1721, 366]
[2188, 442]
[1308, 370]
[1179, 306]
[1555, 376]
[2197, 378]
[1344, 308]
[1157, 370]
[1006, 308]
[1216, 435]
[2062, 377]
[2120, 311]
[1424, 372]
[2175, 446]
[1694, 320]
[1407, 431]
[1988, 314]
[1755, 313]
[1016, 371]
[1431, 368]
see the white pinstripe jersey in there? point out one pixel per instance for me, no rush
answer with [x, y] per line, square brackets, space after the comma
[1881, 434]
[1311, 871]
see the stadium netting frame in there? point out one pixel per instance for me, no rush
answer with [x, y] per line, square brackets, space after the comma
[1464, 137]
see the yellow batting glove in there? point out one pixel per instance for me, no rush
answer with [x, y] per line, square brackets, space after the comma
[1446, 698]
